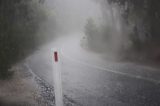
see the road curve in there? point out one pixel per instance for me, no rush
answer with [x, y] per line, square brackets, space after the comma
[91, 83]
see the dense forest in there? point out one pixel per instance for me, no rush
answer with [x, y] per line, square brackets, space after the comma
[145, 16]
[19, 23]
[136, 27]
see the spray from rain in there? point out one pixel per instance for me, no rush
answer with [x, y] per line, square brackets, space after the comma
[106, 33]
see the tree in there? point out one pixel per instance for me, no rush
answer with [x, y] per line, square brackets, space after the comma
[91, 32]
[19, 22]
[142, 17]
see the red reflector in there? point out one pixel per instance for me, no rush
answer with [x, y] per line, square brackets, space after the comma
[56, 56]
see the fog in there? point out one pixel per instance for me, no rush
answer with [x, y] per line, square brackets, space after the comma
[114, 31]
[71, 15]
[109, 27]
[108, 51]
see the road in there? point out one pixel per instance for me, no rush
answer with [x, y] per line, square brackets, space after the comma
[91, 80]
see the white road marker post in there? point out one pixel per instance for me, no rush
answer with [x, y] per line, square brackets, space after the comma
[57, 79]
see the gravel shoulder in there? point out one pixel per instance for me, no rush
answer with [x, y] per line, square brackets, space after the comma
[27, 89]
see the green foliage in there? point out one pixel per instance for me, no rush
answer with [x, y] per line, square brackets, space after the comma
[97, 37]
[143, 19]
[148, 11]
[143, 15]
[90, 28]
[91, 31]
[19, 22]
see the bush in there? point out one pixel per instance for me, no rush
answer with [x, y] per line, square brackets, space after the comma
[19, 22]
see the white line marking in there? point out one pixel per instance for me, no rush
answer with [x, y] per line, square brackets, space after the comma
[110, 70]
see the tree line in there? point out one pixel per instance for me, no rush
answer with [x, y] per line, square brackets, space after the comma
[141, 22]
[19, 23]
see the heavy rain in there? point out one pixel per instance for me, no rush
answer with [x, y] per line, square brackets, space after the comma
[79, 53]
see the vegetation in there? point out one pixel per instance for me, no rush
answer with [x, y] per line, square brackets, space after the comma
[140, 23]
[91, 31]
[144, 16]
[19, 22]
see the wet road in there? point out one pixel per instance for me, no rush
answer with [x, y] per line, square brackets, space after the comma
[92, 81]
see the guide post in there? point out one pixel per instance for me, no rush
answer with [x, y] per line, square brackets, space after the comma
[57, 79]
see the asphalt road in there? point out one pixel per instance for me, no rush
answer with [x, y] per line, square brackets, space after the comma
[92, 81]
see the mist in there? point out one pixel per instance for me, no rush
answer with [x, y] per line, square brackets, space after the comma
[106, 52]
[110, 34]
[71, 15]
[112, 31]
